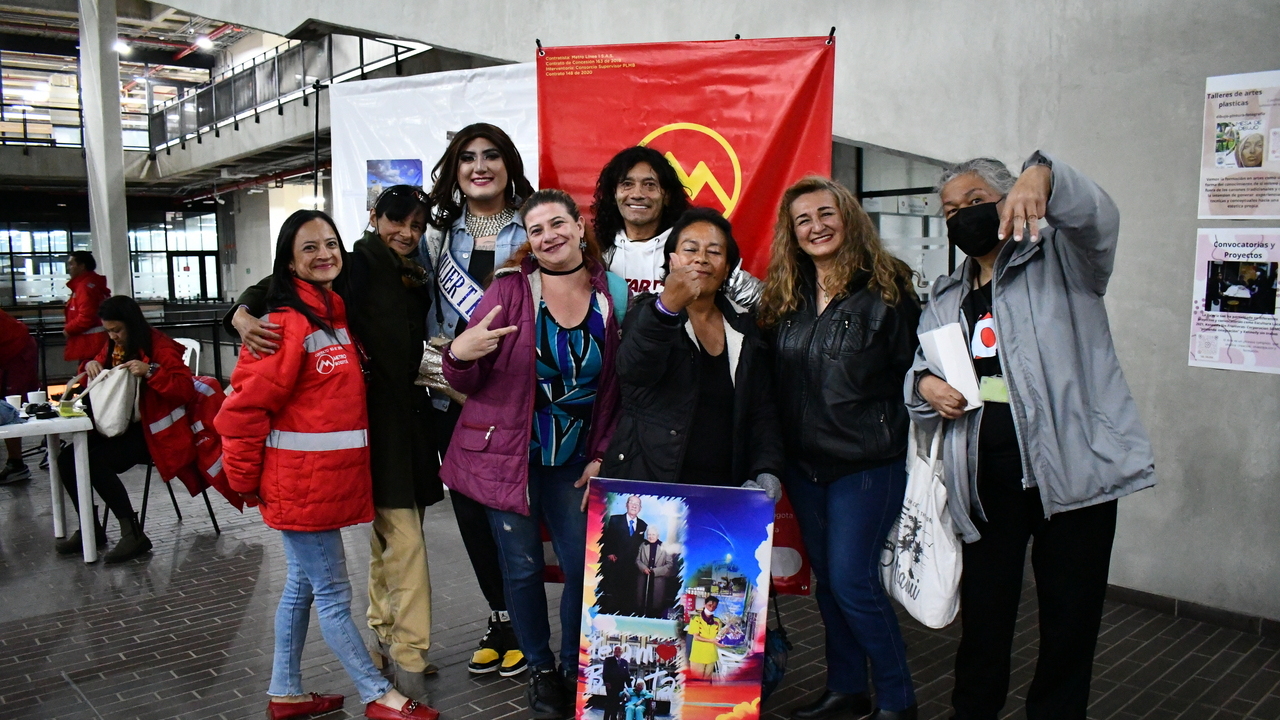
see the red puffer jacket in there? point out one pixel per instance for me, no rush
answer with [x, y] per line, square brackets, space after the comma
[85, 336]
[295, 428]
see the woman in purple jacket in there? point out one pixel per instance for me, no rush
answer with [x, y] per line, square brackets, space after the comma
[538, 369]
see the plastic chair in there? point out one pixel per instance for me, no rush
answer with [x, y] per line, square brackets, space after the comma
[192, 354]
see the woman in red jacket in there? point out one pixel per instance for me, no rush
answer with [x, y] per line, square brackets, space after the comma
[295, 441]
[167, 386]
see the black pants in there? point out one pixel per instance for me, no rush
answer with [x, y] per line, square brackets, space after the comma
[473, 521]
[1071, 556]
[108, 457]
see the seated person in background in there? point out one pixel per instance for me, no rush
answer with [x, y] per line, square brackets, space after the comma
[18, 375]
[690, 362]
[167, 384]
[637, 699]
[656, 565]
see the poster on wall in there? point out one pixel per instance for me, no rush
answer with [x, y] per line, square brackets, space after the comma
[739, 120]
[1234, 325]
[393, 131]
[1240, 158]
[675, 601]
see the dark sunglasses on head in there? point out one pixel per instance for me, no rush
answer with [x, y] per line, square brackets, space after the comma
[411, 192]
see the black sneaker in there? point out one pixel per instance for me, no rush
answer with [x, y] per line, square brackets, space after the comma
[546, 696]
[14, 473]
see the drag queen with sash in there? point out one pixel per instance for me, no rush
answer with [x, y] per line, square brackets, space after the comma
[479, 184]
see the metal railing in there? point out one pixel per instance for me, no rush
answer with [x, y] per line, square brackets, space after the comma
[204, 324]
[266, 83]
[61, 126]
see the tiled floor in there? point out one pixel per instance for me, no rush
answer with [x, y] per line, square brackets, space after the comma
[187, 632]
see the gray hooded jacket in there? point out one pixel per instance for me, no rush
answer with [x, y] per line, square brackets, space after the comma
[1078, 430]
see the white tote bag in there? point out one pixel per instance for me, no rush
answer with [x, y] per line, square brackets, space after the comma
[113, 396]
[922, 560]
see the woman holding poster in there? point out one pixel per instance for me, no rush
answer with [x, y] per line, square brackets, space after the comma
[479, 186]
[693, 364]
[542, 397]
[842, 316]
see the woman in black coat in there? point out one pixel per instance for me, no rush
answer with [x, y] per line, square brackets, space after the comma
[697, 397]
[693, 366]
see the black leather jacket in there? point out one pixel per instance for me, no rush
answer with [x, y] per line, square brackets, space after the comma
[658, 373]
[839, 379]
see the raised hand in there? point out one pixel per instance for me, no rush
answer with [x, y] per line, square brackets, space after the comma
[478, 340]
[682, 285]
[1025, 204]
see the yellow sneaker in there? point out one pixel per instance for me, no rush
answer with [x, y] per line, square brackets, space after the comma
[513, 663]
[485, 660]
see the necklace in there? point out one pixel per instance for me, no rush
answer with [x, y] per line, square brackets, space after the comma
[487, 225]
[546, 271]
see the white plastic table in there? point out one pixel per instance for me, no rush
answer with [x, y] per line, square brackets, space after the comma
[78, 428]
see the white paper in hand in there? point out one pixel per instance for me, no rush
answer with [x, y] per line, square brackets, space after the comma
[946, 348]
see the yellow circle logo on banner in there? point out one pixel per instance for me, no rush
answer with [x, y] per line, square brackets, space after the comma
[702, 176]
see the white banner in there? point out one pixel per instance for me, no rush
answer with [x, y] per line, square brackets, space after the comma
[393, 130]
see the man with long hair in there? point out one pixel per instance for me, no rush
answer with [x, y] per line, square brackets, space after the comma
[638, 199]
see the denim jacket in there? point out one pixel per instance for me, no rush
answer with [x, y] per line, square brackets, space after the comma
[460, 244]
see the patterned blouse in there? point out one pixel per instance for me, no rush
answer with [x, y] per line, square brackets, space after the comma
[568, 368]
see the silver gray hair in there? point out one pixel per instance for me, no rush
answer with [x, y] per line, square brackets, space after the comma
[992, 171]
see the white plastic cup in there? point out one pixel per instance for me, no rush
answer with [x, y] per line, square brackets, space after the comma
[14, 400]
[37, 397]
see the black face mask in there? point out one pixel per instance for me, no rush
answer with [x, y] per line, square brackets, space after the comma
[975, 229]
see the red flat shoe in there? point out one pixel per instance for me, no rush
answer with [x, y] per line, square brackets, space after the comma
[412, 709]
[317, 705]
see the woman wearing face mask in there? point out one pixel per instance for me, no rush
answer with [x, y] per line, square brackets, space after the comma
[1057, 439]
[538, 369]
[479, 185]
[295, 442]
[842, 315]
[390, 295]
[705, 629]
[693, 366]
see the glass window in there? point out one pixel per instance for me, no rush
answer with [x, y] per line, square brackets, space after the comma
[150, 276]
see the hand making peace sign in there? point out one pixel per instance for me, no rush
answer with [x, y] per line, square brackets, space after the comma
[478, 340]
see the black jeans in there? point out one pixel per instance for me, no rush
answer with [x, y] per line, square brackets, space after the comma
[473, 520]
[108, 457]
[1071, 557]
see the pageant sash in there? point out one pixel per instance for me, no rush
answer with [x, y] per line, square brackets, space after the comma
[457, 287]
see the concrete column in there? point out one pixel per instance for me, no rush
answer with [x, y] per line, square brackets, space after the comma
[103, 144]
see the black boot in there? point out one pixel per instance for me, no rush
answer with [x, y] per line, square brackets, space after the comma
[71, 545]
[132, 542]
[910, 713]
[833, 705]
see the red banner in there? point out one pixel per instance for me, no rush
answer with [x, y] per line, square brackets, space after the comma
[740, 120]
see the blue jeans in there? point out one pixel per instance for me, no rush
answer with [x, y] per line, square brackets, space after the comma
[318, 572]
[844, 524]
[554, 500]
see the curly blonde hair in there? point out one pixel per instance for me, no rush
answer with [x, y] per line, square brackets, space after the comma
[861, 250]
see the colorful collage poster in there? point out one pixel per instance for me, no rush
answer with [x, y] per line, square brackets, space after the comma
[675, 600]
[1240, 159]
[1233, 303]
